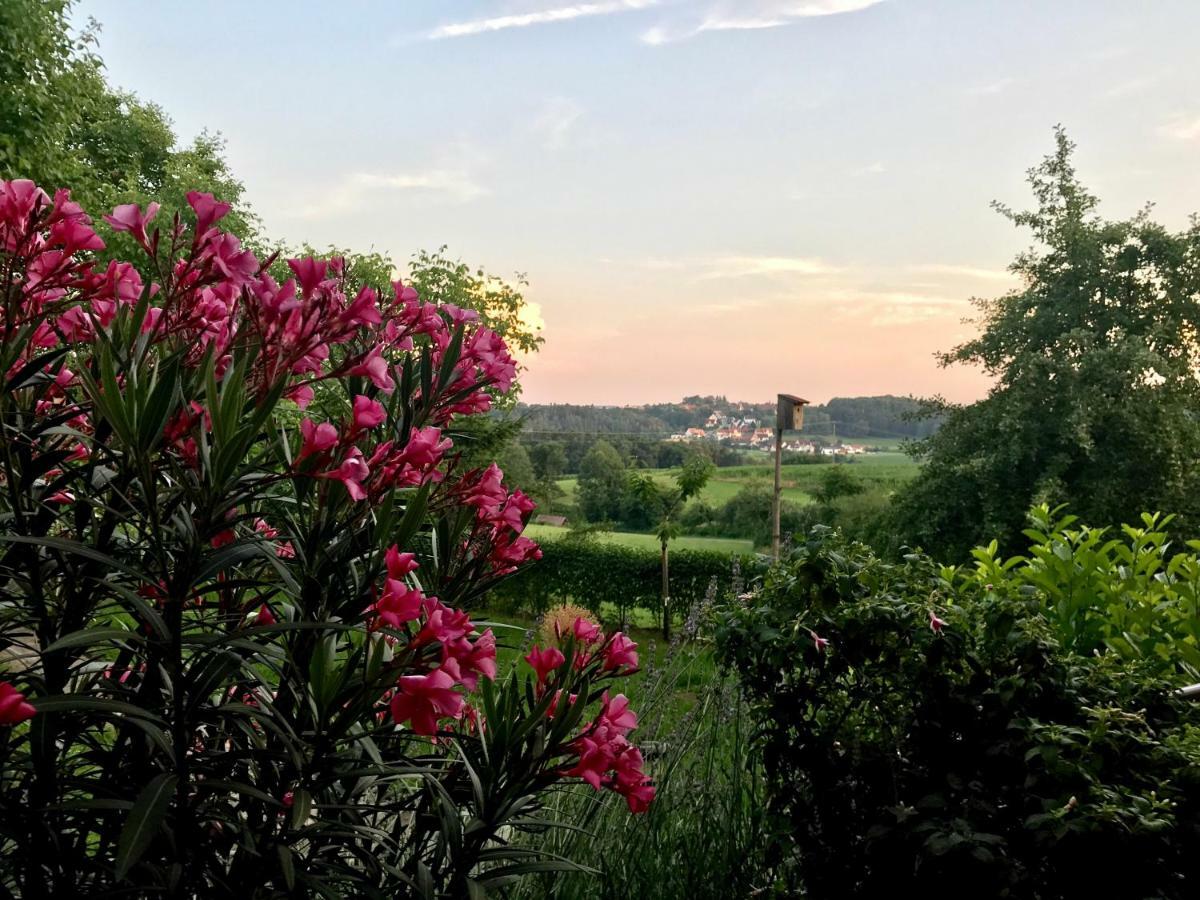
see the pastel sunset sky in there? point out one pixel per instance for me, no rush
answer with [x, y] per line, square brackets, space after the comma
[707, 196]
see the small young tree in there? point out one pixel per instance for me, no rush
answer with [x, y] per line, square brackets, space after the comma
[664, 504]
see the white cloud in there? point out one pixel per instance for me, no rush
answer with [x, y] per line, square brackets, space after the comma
[964, 271]
[1131, 87]
[355, 189]
[750, 15]
[875, 168]
[1181, 128]
[538, 17]
[897, 307]
[742, 266]
[553, 125]
[992, 88]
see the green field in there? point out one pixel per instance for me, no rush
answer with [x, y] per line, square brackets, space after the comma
[632, 539]
[885, 471]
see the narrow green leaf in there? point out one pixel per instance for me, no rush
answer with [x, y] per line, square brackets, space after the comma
[144, 822]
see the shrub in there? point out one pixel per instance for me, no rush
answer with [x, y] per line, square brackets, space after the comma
[925, 734]
[225, 672]
[592, 573]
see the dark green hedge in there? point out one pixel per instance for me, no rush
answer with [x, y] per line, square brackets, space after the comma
[591, 573]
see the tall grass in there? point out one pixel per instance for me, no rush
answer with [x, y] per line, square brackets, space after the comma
[705, 833]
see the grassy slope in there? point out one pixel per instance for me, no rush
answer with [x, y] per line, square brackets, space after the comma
[884, 470]
[723, 545]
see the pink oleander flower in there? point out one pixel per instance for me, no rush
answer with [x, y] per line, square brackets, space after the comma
[309, 273]
[264, 616]
[516, 510]
[488, 493]
[442, 624]
[316, 438]
[425, 448]
[509, 553]
[367, 413]
[363, 310]
[129, 217]
[351, 472]
[936, 624]
[74, 235]
[208, 210]
[554, 701]
[616, 713]
[423, 699]
[13, 707]
[283, 550]
[376, 368]
[586, 632]
[398, 603]
[819, 642]
[399, 564]
[263, 528]
[223, 538]
[301, 395]
[544, 661]
[620, 653]
[466, 660]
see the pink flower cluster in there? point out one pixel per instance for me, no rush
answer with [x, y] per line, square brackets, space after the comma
[500, 517]
[463, 656]
[606, 758]
[215, 293]
[602, 754]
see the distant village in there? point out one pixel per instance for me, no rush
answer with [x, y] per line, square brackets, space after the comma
[749, 433]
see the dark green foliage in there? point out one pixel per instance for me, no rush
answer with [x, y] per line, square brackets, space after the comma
[1096, 394]
[886, 416]
[602, 484]
[747, 514]
[987, 760]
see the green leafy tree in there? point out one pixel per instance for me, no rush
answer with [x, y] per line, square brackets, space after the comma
[61, 124]
[1095, 397]
[514, 460]
[835, 484]
[664, 504]
[549, 459]
[602, 481]
[500, 302]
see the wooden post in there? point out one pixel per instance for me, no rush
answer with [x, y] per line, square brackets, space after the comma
[789, 416]
[777, 495]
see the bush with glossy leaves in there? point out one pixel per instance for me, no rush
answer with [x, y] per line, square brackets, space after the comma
[927, 731]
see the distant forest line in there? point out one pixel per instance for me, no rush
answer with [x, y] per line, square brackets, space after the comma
[886, 416]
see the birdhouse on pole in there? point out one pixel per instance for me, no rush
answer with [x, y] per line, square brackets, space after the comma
[789, 416]
[789, 413]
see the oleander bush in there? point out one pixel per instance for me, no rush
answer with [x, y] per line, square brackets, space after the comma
[1007, 729]
[238, 550]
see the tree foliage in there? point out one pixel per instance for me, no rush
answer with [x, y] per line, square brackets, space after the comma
[1095, 360]
[602, 483]
[62, 124]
